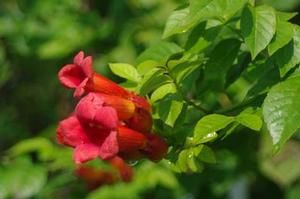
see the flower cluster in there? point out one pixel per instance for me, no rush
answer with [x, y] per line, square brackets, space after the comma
[109, 122]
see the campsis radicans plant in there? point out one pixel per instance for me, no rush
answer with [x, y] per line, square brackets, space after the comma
[109, 122]
[224, 67]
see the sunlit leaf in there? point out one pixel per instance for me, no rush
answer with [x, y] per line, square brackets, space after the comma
[258, 27]
[281, 110]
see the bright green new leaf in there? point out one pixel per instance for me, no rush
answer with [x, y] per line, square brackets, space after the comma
[146, 66]
[284, 34]
[208, 125]
[163, 91]
[281, 110]
[251, 121]
[176, 20]
[258, 26]
[126, 71]
[289, 56]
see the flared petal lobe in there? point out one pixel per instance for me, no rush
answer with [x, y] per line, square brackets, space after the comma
[71, 133]
[85, 152]
[77, 75]
[71, 76]
[91, 110]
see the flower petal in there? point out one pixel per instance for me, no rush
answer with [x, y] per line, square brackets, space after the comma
[109, 147]
[87, 66]
[78, 58]
[71, 76]
[71, 133]
[80, 89]
[90, 110]
[85, 152]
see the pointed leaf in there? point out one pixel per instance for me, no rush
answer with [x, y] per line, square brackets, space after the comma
[210, 124]
[175, 21]
[281, 110]
[258, 27]
[126, 71]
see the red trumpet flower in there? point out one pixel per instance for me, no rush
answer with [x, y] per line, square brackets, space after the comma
[80, 75]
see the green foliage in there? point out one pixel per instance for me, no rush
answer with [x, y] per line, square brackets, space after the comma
[223, 70]
[281, 111]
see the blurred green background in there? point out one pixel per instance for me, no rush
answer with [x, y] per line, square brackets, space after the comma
[37, 37]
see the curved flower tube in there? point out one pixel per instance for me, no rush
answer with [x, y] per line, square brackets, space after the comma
[81, 77]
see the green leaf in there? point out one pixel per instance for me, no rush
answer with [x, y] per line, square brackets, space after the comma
[176, 20]
[266, 79]
[42, 146]
[208, 125]
[188, 160]
[285, 16]
[23, 179]
[207, 155]
[281, 110]
[169, 111]
[289, 56]
[220, 61]
[146, 66]
[152, 80]
[258, 27]
[284, 34]
[126, 71]
[251, 121]
[163, 91]
[159, 52]
[221, 10]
